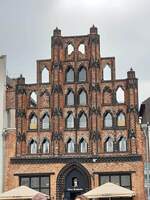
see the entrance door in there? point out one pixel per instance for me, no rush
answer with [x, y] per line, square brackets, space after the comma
[72, 180]
[76, 183]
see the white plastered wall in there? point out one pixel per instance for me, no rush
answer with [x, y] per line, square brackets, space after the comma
[3, 122]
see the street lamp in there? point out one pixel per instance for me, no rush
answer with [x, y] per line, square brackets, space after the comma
[145, 128]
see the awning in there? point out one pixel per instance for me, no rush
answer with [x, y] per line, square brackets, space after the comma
[22, 192]
[109, 190]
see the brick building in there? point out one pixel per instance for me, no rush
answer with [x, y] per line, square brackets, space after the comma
[144, 115]
[77, 127]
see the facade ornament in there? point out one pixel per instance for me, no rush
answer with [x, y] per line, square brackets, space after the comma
[107, 89]
[56, 88]
[20, 89]
[94, 63]
[94, 135]
[57, 112]
[56, 136]
[57, 65]
[20, 113]
[132, 108]
[94, 110]
[94, 87]
[94, 39]
[21, 137]
[131, 134]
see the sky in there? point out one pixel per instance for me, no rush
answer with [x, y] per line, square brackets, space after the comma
[26, 27]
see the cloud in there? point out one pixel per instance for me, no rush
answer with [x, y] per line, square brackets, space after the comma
[27, 26]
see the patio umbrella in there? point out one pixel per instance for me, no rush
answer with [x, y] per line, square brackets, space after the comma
[109, 190]
[22, 192]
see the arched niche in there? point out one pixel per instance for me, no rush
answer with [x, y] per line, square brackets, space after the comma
[45, 75]
[107, 73]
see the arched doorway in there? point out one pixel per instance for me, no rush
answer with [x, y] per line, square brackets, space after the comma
[72, 180]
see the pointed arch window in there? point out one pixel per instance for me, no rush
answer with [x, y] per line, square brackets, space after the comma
[109, 145]
[70, 121]
[45, 122]
[107, 73]
[70, 75]
[120, 96]
[82, 75]
[121, 122]
[83, 146]
[108, 121]
[82, 48]
[45, 146]
[83, 121]
[33, 122]
[70, 98]
[82, 98]
[33, 147]
[45, 75]
[123, 144]
[70, 49]
[70, 146]
[33, 99]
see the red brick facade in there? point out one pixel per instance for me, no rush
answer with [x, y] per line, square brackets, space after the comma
[101, 99]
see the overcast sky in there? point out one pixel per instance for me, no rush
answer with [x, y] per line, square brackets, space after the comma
[26, 27]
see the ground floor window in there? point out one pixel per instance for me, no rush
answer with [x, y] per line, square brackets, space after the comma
[123, 180]
[39, 183]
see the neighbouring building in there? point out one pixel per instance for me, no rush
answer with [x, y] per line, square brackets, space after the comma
[144, 115]
[3, 122]
[77, 127]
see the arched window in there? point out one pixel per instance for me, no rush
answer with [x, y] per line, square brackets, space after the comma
[82, 48]
[45, 75]
[83, 121]
[83, 146]
[120, 95]
[107, 73]
[121, 119]
[122, 144]
[70, 121]
[45, 146]
[45, 122]
[70, 49]
[82, 98]
[109, 145]
[108, 121]
[33, 99]
[70, 146]
[33, 122]
[33, 147]
[70, 75]
[70, 98]
[82, 74]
